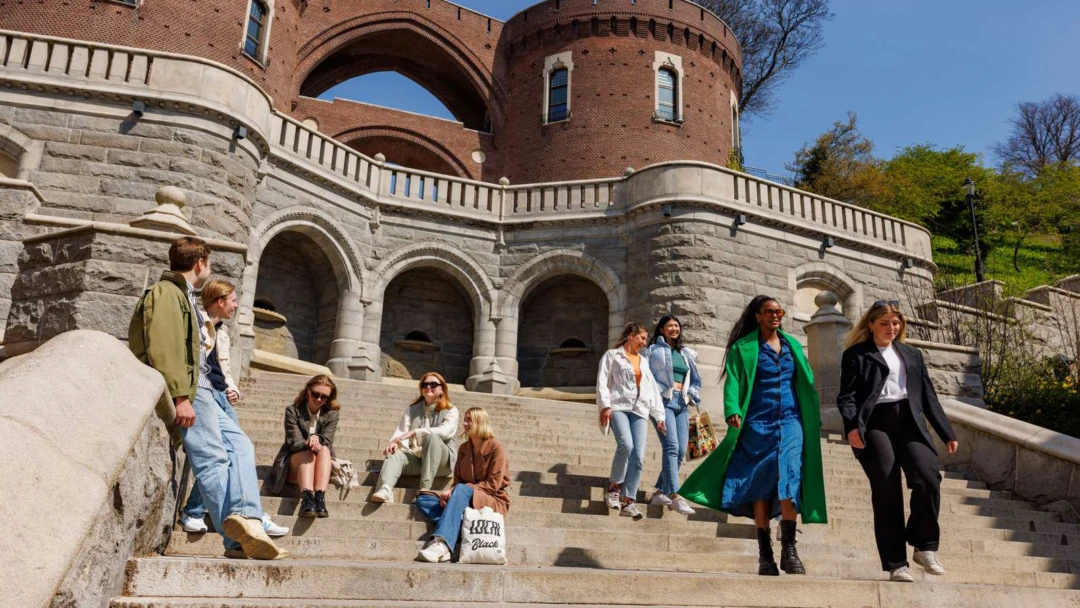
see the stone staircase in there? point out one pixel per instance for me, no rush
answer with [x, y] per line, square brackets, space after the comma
[566, 547]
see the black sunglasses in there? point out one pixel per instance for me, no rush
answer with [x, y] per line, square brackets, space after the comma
[318, 396]
[430, 385]
[893, 303]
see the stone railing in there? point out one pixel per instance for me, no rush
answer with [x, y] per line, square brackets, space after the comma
[190, 84]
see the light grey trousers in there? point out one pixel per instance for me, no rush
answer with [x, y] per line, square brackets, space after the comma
[434, 462]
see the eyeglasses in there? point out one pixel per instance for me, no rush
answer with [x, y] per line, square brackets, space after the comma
[773, 312]
[430, 385]
[319, 396]
[893, 303]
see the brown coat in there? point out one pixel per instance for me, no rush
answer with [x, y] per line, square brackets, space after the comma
[297, 430]
[487, 470]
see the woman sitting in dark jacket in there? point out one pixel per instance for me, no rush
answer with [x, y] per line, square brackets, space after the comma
[305, 457]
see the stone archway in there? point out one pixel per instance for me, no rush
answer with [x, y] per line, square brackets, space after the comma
[562, 332]
[808, 280]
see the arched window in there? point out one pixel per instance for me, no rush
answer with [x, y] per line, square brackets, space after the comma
[667, 95]
[255, 35]
[558, 93]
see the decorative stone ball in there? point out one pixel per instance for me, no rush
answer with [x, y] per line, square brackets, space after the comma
[504, 181]
[826, 298]
[380, 157]
[628, 171]
[171, 195]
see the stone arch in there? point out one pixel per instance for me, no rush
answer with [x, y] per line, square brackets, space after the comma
[325, 231]
[564, 261]
[408, 43]
[806, 281]
[442, 257]
[404, 147]
[18, 153]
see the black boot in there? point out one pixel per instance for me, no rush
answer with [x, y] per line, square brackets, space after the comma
[320, 504]
[766, 563]
[307, 504]
[789, 557]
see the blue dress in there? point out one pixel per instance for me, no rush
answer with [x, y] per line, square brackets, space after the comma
[767, 461]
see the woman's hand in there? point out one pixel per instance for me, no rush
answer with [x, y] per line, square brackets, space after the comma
[314, 444]
[391, 447]
[952, 446]
[605, 416]
[734, 421]
[662, 427]
[855, 439]
[445, 496]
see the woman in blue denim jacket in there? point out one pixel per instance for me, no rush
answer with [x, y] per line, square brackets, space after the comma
[674, 367]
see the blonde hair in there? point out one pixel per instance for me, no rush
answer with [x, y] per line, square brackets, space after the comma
[444, 400]
[481, 423]
[215, 290]
[861, 332]
[320, 380]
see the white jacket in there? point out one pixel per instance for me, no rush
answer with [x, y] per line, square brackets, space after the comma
[224, 343]
[617, 389]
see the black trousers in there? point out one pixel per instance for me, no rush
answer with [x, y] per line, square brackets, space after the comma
[895, 443]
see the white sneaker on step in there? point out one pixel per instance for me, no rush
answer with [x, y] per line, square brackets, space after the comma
[928, 560]
[194, 525]
[436, 551]
[383, 495]
[901, 575]
[679, 505]
[613, 498]
[659, 498]
[273, 530]
[630, 510]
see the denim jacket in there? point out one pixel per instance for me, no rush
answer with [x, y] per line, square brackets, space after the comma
[661, 365]
[616, 388]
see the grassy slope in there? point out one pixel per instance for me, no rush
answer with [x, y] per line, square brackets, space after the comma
[1041, 263]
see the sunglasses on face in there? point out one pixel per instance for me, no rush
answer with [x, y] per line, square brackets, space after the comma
[773, 312]
[430, 385]
[880, 303]
[319, 396]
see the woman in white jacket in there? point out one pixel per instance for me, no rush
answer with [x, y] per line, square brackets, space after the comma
[627, 395]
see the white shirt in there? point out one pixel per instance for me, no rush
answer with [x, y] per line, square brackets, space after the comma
[617, 388]
[895, 388]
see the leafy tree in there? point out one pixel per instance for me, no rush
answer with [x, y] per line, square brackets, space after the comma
[776, 37]
[841, 165]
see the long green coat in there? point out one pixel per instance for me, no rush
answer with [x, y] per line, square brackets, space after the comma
[705, 486]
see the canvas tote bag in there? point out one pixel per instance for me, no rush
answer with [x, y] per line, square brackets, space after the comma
[702, 436]
[483, 537]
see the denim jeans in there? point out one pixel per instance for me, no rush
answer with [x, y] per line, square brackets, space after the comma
[194, 507]
[447, 519]
[673, 442]
[630, 433]
[223, 462]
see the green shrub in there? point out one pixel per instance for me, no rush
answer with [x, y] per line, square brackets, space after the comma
[1042, 392]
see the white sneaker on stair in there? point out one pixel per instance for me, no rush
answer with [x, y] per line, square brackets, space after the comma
[193, 525]
[384, 494]
[273, 530]
[436, 551]
[901, 575]
[929, 561]
[659, 498]
[680, 506]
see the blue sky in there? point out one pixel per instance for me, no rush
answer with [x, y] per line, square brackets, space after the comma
[945, 72]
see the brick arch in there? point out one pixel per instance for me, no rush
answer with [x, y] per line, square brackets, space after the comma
[408, 43]
[405, 147]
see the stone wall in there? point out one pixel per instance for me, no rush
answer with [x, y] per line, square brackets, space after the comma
[559, 311]
[16, 200]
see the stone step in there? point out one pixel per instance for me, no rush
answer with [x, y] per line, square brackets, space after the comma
[208, 602]
[347, 580]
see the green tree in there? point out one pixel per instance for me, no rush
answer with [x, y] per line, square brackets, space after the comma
[841, 165]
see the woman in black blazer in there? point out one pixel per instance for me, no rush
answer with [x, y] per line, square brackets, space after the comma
[885, 399]
[306, 455]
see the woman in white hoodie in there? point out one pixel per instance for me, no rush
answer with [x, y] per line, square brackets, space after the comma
[628, 396]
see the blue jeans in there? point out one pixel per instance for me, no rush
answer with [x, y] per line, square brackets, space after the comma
[223, 462]
[195, 507]
[447, 519]
[630, 433]
[673, 442]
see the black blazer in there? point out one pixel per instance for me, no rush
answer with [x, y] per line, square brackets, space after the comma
[863, 373]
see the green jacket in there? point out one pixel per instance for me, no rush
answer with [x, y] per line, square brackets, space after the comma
[705, 485]
[164, 334]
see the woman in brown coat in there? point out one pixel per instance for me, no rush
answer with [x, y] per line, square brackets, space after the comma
[305, 457]
[481, 477]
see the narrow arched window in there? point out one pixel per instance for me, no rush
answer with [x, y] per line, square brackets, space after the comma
[667, 95]
[256, 30]
[558, 93]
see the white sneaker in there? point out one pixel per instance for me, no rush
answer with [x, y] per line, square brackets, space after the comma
[436, 551]
[680, 506]
[659, 498]
[630, 510]
[383, 495]
[273, 530]
[194, 525]
[901, 575]
[613, 499]
[928, 560]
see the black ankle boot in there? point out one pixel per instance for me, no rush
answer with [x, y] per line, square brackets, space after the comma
[320, 504]
[789, 557]
[766, 563]
[307, 505]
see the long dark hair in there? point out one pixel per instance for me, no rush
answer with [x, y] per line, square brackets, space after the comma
[631, 329]
[659, 331]
[746, 325]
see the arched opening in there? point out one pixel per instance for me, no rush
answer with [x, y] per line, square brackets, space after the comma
[426, 303]
[407, 150]
[562, 333]
[9, 165]
[298, 287]
[413, 53]
[389, 90]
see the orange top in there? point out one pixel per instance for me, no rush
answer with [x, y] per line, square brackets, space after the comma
[635, 360]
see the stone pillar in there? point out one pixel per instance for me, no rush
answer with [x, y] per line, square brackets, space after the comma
[485, 373]
[370, 336]
[825, 342]
[506, 347]
[347, 334]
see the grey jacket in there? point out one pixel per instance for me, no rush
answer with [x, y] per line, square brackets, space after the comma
[297, 431]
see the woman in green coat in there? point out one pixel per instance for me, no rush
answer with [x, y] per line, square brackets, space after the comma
[769, 463]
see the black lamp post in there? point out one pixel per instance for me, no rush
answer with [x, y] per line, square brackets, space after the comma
[969, 190]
